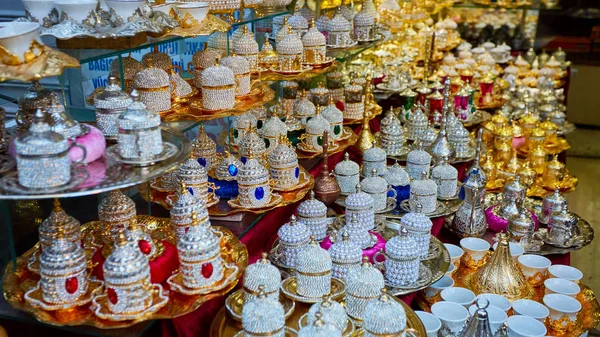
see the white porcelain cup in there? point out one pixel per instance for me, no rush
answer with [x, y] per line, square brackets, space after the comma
[496, 316]
[452, 315]
[432, 324]
[533, 264]
[455, 253]
[497, 301]
[524, 326]
[515, 250]
[166, 7]
[39, 9]
[77, 10]
[475, 248]
[197, 10]
[16, 37]
[561, 286]
[565, 272]
[531, 309]
[125, 8]
[435, 288]
[462, 296]
[562, 305]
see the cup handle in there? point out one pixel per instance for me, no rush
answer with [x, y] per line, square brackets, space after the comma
[394, 192]
[237, 85]
[80, 161]
[19, 118]
[173, 89]
[180, 71]
[189, 68]
[378, 264]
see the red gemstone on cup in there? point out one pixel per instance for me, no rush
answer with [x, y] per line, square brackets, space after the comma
[111, 294]
[145, 246]
[207, 270]
[71, 285]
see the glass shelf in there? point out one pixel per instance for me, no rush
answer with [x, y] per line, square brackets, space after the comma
[534, 6]
[342, 55]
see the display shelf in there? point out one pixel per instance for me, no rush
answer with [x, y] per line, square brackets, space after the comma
[534, 6]
[342, 55]
[105, 175]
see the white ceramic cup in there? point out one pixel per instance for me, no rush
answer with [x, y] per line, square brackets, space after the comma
[452, 315]
[39, 9]
[462, 296]
[198, 10]
[533, 264]
[455, 253]
[125, 8]
[496, 316]
[432, 324]
[515, 250]
[16, 37]
[562, 305]
[523, 326]
[561, 286]
[435, 288]
[77, 10]
[166, 7]
[565, 272]
[531, 309]
[497, 301]
[475, 247]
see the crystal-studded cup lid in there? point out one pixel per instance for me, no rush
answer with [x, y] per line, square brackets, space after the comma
[151, 78]
[339, 23]
[136, 116]
[245, 44]
[130, 67]
[347, 167]
[417, 220]
[313, 37]
[274, 127]
[383, 316]
[319, 328]
[112, 97]
[205, 58]
[364, 19]
[395, 175]
[60, 121]
[318, 124]
[283, 156]
[359, 200]
[237, 64]
[294, 232]
[364, 280]
[262, 273]
[374, 154]
[328, 311]
[374, 184]
[126, 264]
[63, 256]
[199, 243]
[40, 139]
[303, 107]
[181, 212]
[217, 76]
[157, 59]
[251, 142]
[228, 168]
[191, 172]
[332, 114]
[262, 316]
[313, 259]
[252, 172]
[59, 220]
[290, 45]
[244, 121]
[203, 146]
[312, 207]
[345, 251]
[402, 246]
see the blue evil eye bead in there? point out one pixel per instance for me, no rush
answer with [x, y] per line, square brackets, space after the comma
[202, 161]
[233, 170]
[191, 190]
[267, 143]
[337, 129]
[297, 172]
[259, 193]
[243, 159]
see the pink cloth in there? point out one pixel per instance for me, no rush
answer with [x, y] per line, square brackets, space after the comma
[498, 224]
[369, 252]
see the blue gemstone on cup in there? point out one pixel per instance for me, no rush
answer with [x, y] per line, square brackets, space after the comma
[202, 162]
[190, 190]
[233, 170]
[297, 172]
[243, 159]
[259, 193]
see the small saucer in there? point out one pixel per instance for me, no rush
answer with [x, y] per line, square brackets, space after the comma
[304, 147]
[288, 287]
[455, 196]
[440, 209]
[318, 65]
[230, 273]
[99, 306]
[329, 46]
[383, 86]
[10, 183]
[35, 299]
[424, 279]
[275, 199]
[350, 327]
[346, 134]
[289, 332]
[235, 302]
[303, 180]
[211, 199]
[305, 68]
[169, 150]
[276, 257]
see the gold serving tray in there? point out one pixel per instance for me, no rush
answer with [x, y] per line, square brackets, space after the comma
[552, 148]
[342, 145]
[50, 63]
[222, 208]
[260, 94]
[496, 104]
[225, 326]
[209, 25]
[17, 282]
[316, 70]
[376, 110]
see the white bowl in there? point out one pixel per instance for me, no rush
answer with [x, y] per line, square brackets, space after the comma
[496, 316]
[515, 250]
[530, 308]
[443, 283]
[451, 314]
[562, 305]
[462, 296]
[455, 252]
[523, 326]
[565, 272]
[79, 10]
[125, 8]
[497, 301]
[475, 247]
[16, 37]
[39, 9]
[561, 286]
[432, 324]
[533, 264]
[198, 10]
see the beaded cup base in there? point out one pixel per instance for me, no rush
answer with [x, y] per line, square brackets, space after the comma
[349, 331]
[304, 179]
[169, 150]
[18, 281]
[342, 145]
[375, 111]
[413, 322]
[274, 200]
[235, 302]
[288, 288]
[260, 94]
[159, 300]
[230, 274]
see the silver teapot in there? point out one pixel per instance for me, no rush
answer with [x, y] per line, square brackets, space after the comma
[469, 220]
